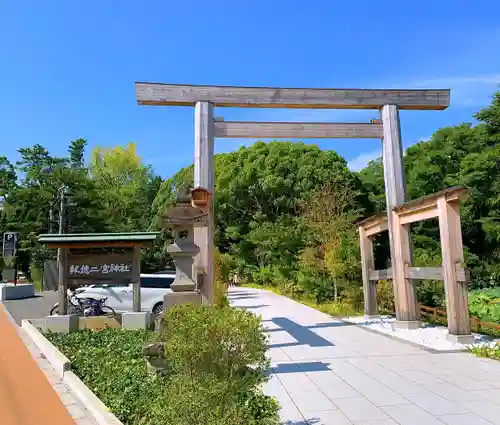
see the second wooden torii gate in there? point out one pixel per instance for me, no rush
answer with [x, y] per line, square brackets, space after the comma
[445, 206]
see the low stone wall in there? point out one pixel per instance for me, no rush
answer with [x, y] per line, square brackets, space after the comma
[9, 291]
[98, 410]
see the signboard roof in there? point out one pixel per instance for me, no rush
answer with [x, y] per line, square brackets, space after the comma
[97, 238]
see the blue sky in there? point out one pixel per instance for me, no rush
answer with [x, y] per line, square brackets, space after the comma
[68, 67]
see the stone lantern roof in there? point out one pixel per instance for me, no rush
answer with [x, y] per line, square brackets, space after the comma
[183, 212]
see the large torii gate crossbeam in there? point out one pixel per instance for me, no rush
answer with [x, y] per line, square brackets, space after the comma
[388, 102]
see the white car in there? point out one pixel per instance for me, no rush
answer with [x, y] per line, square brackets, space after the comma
[119, 297]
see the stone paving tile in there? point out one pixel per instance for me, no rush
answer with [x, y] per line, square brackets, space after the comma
[435, 404]
[327, 417]
[311, 401]
[491, 395]
[290, 415]
[451, 392]
[332, 386]
[324, 372]
[484, 409]
[360, 409]
[421, 378]
[277, 354]
[464, 419]
[411, 415]
[468, 384]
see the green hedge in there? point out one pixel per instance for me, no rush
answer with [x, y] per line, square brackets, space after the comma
[216, 366]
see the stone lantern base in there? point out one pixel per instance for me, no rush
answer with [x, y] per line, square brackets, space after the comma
[176, 298]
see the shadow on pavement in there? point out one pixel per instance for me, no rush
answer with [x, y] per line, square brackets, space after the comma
[303, 334]
[301, 367]
[249, 307]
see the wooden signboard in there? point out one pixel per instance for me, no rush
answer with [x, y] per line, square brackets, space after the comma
[101, 267]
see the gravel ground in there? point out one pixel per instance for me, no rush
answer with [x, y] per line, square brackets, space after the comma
[434, 337]
[31, 308]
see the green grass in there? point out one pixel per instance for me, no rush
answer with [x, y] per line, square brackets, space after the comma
[492, 352]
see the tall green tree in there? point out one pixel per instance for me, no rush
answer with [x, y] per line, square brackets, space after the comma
[124, 186]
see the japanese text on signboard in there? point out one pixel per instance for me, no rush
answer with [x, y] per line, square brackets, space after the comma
[85, 269]
[107, 267]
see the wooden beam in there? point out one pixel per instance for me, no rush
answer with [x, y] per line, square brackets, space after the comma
[426, 207]
[136, 279]
[457, 193]
[418, 215]
[377, 228]
[367, 264]
[383, 274]
[457, 308]
[204, 177]
[297, 130]
[275, 97]
[435, 273]
[63, 282]
[374, 224]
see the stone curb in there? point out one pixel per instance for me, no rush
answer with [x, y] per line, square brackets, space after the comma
[92, 403]
[58, 360]
[96, 408]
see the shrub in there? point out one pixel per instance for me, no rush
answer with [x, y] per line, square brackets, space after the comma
[385, 297]
[217, 360]
[202, 340]
[193, 399]
[216, 364]
[430, 293]
[485, 304]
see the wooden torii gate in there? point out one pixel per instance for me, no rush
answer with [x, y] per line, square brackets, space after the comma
[388, 102]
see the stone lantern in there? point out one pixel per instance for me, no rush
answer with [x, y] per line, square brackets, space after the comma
[181, 219]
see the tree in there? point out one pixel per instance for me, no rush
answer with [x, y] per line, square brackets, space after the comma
[330, 213]
[258, 194]
[7, 177]
[77, 152]
[124, 185]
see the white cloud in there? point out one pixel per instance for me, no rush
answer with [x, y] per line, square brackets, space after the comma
[361, 161]
[468, 90]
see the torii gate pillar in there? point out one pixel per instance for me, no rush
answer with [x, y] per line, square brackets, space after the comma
[204, 178]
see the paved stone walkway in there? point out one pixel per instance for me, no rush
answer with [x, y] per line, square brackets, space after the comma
[326, 372]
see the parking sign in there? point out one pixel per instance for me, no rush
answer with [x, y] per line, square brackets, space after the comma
[10, 244]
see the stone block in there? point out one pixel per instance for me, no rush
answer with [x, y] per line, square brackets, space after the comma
[407, 324]
[65, 323]
[9, 291]
[176, 298]
[136, 320]
[460, 339]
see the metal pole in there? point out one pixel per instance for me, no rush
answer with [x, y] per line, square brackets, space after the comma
[62, 191]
